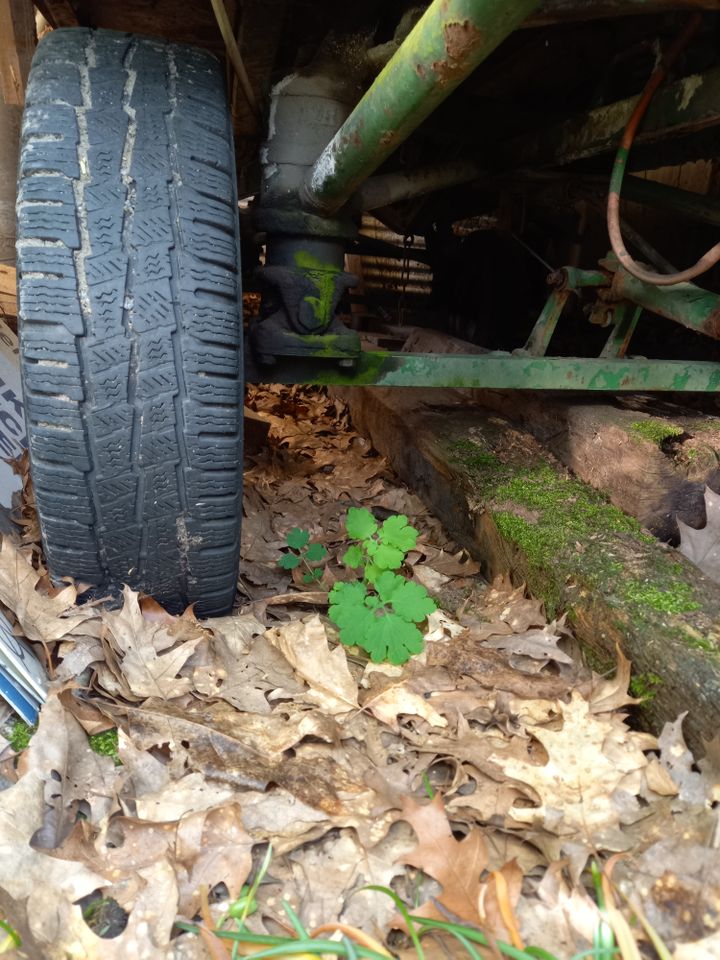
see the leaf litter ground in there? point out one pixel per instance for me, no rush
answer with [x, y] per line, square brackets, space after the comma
[477, 781]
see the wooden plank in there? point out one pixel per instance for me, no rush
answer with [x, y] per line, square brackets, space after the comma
[510, 503]
[17, 45]
[617, 446]
[8, 290]
[58, 13]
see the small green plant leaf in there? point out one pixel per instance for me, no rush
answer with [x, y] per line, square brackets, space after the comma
[387, 584]
[308, 577]
[353, 557]
[360, 523]
[347, 594]
[315, 552]
[354, 624]
[389, 558]
[391, 638]
[372, 602]
[396, 532]
[411, 601]
[297, 538]
[288, 561]
[370, 547]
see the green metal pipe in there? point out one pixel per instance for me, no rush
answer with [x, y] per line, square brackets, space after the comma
[691, 306]
[443, 48]
[505, 372]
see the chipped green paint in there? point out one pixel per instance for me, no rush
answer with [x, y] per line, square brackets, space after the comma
[684, 106]
[324, 277]
[656, 431]
[446, 44]
[503, 371]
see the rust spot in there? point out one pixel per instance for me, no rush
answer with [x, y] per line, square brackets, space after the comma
[387, 138]
[625, 382]
[462, 38]
[711, 326]
[420, 69]
[354, 139]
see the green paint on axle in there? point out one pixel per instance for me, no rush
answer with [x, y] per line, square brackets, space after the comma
[569, 533]
[656, 431]
[324, 277]
[505, 372]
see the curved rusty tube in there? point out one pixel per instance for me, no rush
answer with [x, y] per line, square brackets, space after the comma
[616, 179]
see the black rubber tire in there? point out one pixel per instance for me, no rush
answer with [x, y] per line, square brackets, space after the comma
[130, 316]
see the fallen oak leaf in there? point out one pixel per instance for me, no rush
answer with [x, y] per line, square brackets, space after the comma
[455, 864]
[150, 655]
[590, 758]
[398, 699]
[304, 645]
[42, 618]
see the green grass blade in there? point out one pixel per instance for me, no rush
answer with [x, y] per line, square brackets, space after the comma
[404, 913]
[295, 921]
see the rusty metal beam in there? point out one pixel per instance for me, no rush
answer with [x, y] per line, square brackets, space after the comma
[447, 43]
[683, 107]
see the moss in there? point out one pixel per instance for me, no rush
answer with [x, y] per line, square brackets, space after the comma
[106, 744]
[603, 665]
[656, 431]
[644, 686]
[473, 457]
[697, 641]
[674, 598]
[565, 530]
[21, 735]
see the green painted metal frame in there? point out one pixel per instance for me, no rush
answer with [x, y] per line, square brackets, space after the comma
[682, 107]
[504, 372]
[446, 44]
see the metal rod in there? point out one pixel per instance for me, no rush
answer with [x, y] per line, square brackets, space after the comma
[443, 48]
[504, 372]
[393, 187]
[686, 304]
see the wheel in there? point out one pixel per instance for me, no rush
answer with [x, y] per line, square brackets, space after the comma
[130, 316]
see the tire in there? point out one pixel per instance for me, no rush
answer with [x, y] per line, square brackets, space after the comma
[130, 316]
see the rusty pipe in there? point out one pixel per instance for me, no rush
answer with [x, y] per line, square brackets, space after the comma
[446, 44]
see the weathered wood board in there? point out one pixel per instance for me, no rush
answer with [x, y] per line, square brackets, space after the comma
[8, 292]
[515, 507]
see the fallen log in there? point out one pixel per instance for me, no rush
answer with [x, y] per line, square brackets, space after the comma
[515, 508]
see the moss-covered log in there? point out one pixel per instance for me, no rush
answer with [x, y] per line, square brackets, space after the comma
[516, 508]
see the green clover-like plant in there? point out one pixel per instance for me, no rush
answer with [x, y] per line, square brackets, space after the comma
[380, 612]
[301, 551]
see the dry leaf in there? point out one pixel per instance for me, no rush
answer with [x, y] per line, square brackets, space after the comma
[304, 645]
[702, 546]
[577, 784]
[455, 864]
[150, 656]
[42, 617]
